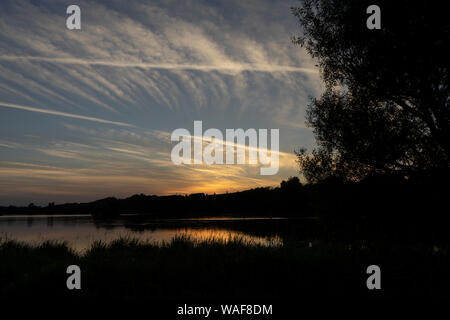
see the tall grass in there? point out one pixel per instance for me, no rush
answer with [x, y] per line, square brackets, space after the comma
[233, 268]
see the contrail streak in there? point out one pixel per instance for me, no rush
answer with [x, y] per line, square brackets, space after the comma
[233, 67]
[62, 114]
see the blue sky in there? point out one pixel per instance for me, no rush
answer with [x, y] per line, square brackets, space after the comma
[135, 72]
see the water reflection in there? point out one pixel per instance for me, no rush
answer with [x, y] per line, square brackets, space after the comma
[50, 222]
[81, 231]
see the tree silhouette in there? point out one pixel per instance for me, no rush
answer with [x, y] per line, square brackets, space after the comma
[386, 104]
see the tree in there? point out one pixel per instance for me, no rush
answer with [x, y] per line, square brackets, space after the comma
[386, 104]
[292, 184]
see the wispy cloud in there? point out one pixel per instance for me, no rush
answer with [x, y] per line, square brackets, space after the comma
[62, 114]
[229, 67]
[144, 69]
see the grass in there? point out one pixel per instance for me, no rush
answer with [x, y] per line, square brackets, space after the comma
[223, 269]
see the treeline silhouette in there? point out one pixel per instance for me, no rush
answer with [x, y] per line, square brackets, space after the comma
[254, 202]
[420, 199]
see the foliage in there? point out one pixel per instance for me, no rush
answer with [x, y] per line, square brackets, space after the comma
[386, 103]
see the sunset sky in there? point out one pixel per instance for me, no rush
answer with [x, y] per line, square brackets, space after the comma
[86, 114]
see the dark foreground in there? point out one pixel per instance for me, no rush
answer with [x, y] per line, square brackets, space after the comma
[184, 271]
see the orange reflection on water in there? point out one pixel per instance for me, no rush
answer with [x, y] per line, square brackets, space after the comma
[80, 232]
[225, 236]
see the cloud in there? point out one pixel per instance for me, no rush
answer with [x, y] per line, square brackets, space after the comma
[145, 68]
[165, 42]
[230, 67]
[62, 114]
[119, 162]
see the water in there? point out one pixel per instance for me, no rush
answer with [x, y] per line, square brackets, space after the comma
[80, 231]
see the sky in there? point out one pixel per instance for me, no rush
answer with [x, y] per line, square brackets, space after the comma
[86, 114]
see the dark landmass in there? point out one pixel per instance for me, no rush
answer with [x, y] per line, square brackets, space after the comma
[389, 196]
[254, 202]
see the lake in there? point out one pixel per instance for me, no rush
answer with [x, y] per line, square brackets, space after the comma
[80, 231]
